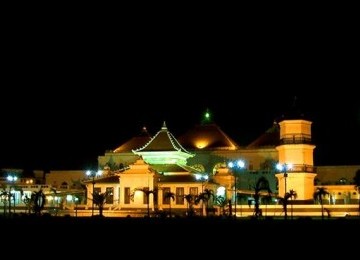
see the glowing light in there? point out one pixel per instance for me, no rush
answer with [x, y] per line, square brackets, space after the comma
[285, 166]
[93, 174]
[11, 178]
[201, 143]
[207, 116]
[238, 163]
[201, 177]
[69, 198]
[220, 191]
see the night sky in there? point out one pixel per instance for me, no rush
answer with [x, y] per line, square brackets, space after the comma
[71, 91]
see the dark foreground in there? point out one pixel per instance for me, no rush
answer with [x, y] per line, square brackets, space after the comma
[139, 235]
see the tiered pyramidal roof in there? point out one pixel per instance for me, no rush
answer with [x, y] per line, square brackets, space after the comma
[163, 148]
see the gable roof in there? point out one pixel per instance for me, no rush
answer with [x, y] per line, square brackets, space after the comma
[270, 138]
[135, 142]
[207, 136]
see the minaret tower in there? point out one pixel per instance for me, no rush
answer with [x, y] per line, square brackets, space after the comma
[296, 156]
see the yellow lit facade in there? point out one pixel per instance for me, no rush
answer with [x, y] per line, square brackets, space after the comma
[295, 149]
[138, 174]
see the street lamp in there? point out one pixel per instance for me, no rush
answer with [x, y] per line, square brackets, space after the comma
[240, 164]
[284, 168]
[11, 179]
[92, 175]
[202, 178]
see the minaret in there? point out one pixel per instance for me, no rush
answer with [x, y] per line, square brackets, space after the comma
[296, 150]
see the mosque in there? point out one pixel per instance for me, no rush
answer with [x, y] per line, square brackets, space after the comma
[179, 175]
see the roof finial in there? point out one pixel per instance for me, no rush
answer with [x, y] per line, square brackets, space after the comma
[164, 126]
[294, 102]
[207, 117]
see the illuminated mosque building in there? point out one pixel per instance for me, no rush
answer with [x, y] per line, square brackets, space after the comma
[207, 159]
[164, 173]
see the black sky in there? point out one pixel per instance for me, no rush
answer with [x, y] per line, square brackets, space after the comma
[71, 90]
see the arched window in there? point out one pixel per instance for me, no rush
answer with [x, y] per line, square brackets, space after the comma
[217, 166]
[199, 167]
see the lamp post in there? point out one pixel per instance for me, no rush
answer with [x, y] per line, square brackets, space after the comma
[76, 201]
[284, 168]
[202, 178]
[92, 175]
[11, 179]
[240, 164]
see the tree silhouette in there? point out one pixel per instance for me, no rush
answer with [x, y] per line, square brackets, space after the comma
[292, 195]
[189, 203]
[319, 194]
[100, 201]
[262, 184]
[170, 196]
[28, 203]
[38, 200]
[285, 201]
[205, 197]
[147, 193]
[222, 202]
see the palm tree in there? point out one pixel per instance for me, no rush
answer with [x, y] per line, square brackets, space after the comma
[262, 184]
[222, 202]
[319, 194]
[189, 200]
[147, 193]
[28, 203]
[38, 199]
[209, 194]
[100, 200]
[357, 185]
[205, 196]
[170, 196]
[292, 195]
[285, 201]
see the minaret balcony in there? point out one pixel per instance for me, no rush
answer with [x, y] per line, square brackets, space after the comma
[302, 168]
[295, 139]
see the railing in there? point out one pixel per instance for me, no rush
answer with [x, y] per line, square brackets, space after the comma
[296, 139]
[302, 168]
[33, 186]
